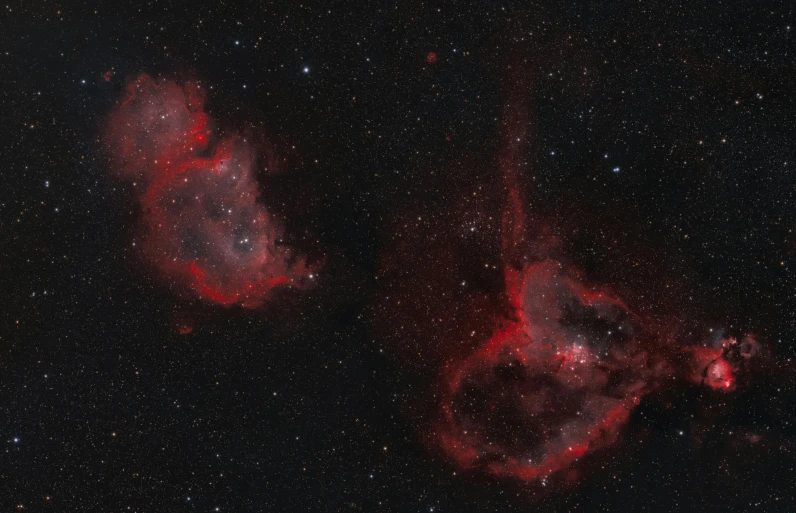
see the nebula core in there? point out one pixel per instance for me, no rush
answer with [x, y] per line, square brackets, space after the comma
[203, 227]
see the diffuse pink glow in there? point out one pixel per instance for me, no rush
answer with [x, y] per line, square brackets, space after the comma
[203, 225]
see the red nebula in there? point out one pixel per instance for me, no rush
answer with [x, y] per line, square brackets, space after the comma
[708, 367]
[561, 378]
[431, 57]
[715, 367]
[556, 384]
[566, 362]
[532, 366]
[565, 366]
[204, 228]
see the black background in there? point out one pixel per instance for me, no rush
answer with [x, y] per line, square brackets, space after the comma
[300, 406]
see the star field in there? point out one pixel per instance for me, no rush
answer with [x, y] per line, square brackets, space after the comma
[409, 158]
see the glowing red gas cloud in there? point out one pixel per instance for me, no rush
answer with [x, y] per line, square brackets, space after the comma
[561, 378]
[567, 361]
[203, 227]
[534, 364]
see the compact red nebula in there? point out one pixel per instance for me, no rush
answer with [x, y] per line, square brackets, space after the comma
[204, 229]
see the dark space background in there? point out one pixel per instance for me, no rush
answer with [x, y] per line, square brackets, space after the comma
[302, 406]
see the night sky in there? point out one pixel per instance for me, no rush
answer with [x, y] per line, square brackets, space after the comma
[397, 257]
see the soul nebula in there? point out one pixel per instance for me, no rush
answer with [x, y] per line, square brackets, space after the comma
[203, 228]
